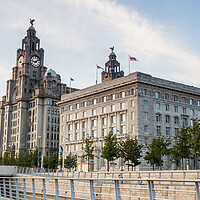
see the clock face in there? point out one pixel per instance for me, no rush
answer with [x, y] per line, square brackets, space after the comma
[35, 61]
[20, 61]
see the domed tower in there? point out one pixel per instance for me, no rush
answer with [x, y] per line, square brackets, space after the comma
[112, 68]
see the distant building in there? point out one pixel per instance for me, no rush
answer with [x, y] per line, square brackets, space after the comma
[136, 105]
[29, 113]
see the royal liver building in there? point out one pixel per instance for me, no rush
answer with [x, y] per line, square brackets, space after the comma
[29, 115]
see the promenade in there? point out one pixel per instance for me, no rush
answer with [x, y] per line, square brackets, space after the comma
[30, 184]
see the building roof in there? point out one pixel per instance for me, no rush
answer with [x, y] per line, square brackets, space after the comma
[51, 72]
[136, 77]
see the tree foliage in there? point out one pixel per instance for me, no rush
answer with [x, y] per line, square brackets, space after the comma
[181, 148]
[70, 161]
[194, 140]
[110, 150]
[156, 150]
[131, 151]
[88, 150]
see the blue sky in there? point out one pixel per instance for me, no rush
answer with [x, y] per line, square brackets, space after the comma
[76, 35]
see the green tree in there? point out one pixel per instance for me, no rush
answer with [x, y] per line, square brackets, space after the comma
[35, 158]
[156, 150]
[53, 162]
[45, 162]
[181, 148]
[131, 151]
[70, 161]
[110, 150]
[1, 159]
[194, 140]
[6, 158]
[88, 150]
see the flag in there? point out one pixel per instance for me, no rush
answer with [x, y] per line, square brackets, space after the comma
[98, 67]
[71, 79]
[132, 58]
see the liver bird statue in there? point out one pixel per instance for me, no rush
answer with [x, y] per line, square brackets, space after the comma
[31, 21]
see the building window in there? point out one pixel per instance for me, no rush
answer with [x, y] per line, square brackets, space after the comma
[103, 121]
[132, 115]
[112, 108]
[167, 119]
[185, 122]
[192, 112]
[198, 113]
[158, 117]
[83, 136]
[93, 101]
[122, 106]
[103, 109]
[166, 96]
[167, 107]
[198, 103]
[112, 97]
[167, 131]
[158, 130]
[48, 102]
[93, 112]
[122, 117]
[84, 125]
[132, 103]
[184, 111]
[145, 128]
[121, 94]
[176, 109]
[191, 101]
[145, 115]
[157, 106]
[103, 99]
[157, 94]
[103, 132]
[176, 120]
[92, 133]
[145, 103]
[111, 120]
[47, 127]
[75, 136]
[175, 98]
[84, 114]
[144, 92]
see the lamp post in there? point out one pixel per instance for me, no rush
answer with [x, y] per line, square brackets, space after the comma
[39, 137]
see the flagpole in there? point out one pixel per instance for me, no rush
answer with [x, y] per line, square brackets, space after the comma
[129, 64]
[96, 75]
[70, 89]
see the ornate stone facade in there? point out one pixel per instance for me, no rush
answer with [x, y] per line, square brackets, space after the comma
[29, 113]
[137, 105]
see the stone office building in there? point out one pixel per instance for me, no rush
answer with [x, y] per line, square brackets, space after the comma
[136, 105]
[29, 115]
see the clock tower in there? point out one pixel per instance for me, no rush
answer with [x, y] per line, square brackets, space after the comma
[29, 115]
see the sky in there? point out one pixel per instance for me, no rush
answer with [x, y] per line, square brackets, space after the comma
[76, 35]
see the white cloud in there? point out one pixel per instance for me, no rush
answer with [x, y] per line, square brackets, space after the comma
[76, 35]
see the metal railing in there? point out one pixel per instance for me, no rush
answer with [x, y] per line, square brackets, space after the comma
[31, 187]
[168, 174]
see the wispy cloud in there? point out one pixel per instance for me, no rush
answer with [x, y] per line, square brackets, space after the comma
[77, 34]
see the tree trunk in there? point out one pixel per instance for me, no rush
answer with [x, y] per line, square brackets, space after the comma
[108, 165]
[88, 164]
[195, 160]
[128, 165]
[182, 164]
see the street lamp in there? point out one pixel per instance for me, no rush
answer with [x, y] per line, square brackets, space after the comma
[39, 137]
